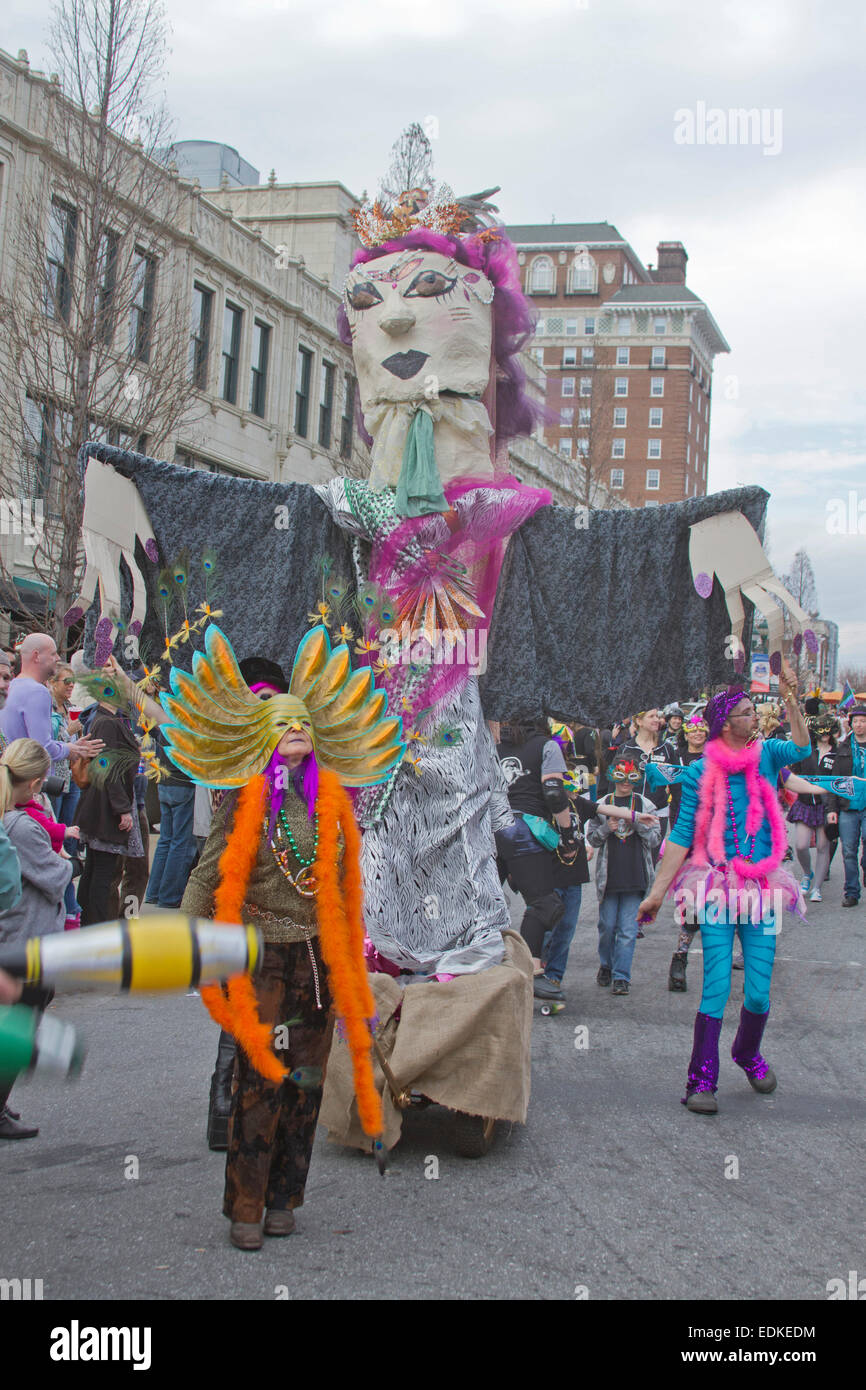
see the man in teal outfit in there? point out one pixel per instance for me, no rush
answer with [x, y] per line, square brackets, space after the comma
[725, 852]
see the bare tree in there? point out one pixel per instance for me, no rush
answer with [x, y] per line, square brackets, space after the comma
[800, 582]
[97, 337]
[411, 164]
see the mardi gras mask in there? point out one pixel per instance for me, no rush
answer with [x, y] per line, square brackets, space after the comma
[625, 772]
[421, 324]
[696, 726]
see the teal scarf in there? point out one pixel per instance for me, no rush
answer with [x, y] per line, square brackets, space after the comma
[419, 487]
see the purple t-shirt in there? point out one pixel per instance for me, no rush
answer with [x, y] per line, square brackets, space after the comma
[27, 714]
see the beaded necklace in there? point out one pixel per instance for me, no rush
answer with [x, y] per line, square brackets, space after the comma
[302, 879]
[749, 852]
[623, 828]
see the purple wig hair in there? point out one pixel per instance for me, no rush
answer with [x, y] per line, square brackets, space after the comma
[513, 319]
[306, 781]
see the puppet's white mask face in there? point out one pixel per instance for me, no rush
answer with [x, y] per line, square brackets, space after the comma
[420, 324]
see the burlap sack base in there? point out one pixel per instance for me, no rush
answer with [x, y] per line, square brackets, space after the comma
[464, 1044]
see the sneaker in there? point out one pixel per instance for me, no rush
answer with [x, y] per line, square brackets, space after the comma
[603, 976]
[620, 987]
[815, 896]
[544, 987]
[702, 1103]
[806, 882]
[11, 1128]
[850, 902]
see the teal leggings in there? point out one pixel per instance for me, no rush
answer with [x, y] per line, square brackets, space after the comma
[759, 948]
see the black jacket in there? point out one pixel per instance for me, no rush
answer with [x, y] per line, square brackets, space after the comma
[104, 802]
[842, 767]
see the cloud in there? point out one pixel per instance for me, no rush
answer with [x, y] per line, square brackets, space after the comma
[570, 107]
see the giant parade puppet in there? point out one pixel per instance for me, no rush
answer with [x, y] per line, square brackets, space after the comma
[515, 609]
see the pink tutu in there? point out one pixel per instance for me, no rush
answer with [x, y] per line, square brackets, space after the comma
[376, 963]
[717, 893]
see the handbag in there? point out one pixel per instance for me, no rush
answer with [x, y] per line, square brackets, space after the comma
[79, 769]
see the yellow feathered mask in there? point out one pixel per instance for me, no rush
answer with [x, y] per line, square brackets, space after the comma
[222, 735]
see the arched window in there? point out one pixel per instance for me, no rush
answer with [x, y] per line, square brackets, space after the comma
[542, 279]
[582, 273]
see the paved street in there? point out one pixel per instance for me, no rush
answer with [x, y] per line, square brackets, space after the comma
[611, 1187]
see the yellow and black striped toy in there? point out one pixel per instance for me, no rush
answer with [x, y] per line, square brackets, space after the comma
[166, 951]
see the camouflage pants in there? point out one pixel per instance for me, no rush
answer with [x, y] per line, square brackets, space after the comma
[273, 1126]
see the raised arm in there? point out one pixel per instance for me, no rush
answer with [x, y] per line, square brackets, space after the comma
[628, 575]
[265, 539]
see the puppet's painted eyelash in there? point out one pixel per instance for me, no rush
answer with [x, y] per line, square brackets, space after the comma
[431, 284]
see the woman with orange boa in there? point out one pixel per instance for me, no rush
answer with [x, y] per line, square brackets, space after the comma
[283, 855]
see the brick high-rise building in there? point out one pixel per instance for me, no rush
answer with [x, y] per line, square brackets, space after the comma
[628, 352]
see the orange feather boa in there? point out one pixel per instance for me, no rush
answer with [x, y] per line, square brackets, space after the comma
[341, 933]
[341, 936]
[238, 1013]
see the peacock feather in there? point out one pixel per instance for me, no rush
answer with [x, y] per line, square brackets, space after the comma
[111, 765]
[446, 736]
[105, 690]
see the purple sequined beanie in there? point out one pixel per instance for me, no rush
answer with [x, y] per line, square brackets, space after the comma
[720, 706]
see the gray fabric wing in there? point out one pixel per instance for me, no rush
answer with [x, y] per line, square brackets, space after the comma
[267, 538]
[593, 622]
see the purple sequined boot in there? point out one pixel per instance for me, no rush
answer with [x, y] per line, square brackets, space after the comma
[703, 1075]
[746, 1054]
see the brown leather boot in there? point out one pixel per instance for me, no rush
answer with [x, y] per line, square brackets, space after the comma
[279, 1223]
[246, 1235]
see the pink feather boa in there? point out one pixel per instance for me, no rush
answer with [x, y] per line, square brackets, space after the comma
[714, 810]
[708, 872]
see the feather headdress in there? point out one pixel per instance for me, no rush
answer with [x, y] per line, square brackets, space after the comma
[221, 735]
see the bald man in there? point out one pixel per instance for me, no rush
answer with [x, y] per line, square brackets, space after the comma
[27, 712]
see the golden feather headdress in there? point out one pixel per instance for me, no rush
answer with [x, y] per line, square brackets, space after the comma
[221, 734]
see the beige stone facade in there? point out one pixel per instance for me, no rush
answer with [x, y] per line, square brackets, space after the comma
[208, 250]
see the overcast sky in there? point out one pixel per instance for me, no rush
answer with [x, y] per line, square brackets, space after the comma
[571, 106]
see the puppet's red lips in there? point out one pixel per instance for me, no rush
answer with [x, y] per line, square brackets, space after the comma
[405, 364]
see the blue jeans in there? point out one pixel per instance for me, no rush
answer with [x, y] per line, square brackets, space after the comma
[852, 828]
[63, 807]
[558, 941]
[175, 851]
[617, 932]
